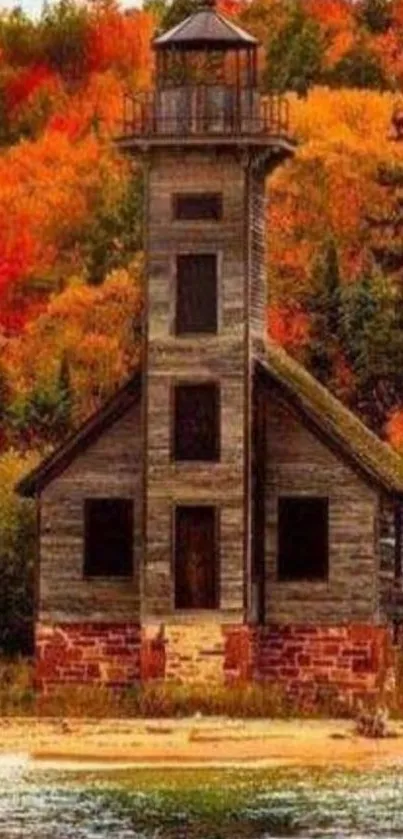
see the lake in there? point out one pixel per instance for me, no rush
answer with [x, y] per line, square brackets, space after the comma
[43, 803]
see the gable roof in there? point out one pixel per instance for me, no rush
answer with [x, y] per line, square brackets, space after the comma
[92, 428]
[208, 29]
[376, 459]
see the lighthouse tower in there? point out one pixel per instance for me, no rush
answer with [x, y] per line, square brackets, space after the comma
[207, 140]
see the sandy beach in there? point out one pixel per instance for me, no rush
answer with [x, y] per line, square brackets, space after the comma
[197, 741]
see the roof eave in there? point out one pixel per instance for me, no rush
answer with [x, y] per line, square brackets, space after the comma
[371, 466]
[53, 465]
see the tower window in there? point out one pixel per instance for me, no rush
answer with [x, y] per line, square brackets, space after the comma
[196, 558]
[196, 293]
[303, 538]
[108, 537]
[195, 206]
[196, 433]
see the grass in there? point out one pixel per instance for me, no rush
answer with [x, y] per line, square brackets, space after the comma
[18, 697]
[158, 699]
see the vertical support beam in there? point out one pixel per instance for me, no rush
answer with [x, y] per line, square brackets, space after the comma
[238, 94]
[259, 501]
[248, 391]
[398, 564]
[398, 541]
[254, 75]
[144, 385]
[37, 567]
[158, 69]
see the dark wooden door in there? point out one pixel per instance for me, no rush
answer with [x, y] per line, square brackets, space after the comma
[195, 558]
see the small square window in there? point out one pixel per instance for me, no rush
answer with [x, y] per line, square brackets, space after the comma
[196, 294]
[196, 433]
[108, 537]
[303, 538]
[195, 206]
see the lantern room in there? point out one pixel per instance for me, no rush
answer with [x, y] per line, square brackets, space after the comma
[206, 83]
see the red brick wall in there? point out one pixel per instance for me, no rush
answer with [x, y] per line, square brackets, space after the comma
[351, 661]
[87, 653]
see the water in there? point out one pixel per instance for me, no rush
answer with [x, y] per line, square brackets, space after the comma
[39, 803]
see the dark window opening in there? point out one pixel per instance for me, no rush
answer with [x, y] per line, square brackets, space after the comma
[303, 538]
[108, 524]
[196, 558]
[196, 294]
[197, 206]
[196, 433]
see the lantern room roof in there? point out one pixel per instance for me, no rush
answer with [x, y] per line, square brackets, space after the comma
[206, 29]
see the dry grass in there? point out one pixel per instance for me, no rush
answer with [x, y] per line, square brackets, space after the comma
[157, 699]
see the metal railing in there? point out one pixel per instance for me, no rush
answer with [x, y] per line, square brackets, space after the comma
[204, 110]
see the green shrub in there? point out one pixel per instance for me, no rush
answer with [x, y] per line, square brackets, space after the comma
[17, 552]
[17, 695]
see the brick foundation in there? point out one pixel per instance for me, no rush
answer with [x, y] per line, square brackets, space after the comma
[87, 653]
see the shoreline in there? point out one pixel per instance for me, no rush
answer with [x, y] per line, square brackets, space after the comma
[194, 743]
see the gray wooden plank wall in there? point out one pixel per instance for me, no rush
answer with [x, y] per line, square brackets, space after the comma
[110, 467]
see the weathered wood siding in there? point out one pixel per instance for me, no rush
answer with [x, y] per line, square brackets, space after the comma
[299, 463]
[110, 467]
[222, 358]
[258, 262]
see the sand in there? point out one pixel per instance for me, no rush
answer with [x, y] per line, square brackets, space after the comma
[197, 742]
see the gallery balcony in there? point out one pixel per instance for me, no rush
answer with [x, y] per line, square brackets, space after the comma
[205, 113]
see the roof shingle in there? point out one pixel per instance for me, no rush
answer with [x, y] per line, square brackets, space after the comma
[206, 29]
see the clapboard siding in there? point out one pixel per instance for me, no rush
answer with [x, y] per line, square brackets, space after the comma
[110, 467]
[298, 463]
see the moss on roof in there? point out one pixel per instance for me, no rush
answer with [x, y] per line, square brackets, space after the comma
[376, 458]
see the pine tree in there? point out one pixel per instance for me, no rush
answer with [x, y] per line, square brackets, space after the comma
[295, 56]
[376, 15]
[373, 344]
[64, 412]
[325, 308]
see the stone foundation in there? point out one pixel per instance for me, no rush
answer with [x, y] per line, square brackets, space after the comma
[345, 662]
[195, 653]
[353, 661]
[87, 653]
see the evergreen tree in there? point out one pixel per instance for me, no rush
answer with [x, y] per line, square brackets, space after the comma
[295, 56]
[115, 234]
[372, 326]
[177, 11]
[64, 414]
[376, 15]
[325, 308]
[359, 68]
[385, 229]
[63, 31]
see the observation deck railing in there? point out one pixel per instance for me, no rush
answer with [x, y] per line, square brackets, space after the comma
[197, 111]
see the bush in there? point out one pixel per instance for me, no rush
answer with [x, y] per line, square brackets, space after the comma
[17, 695]
[17, 552]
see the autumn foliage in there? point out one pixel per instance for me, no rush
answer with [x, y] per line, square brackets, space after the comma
[70, 206]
